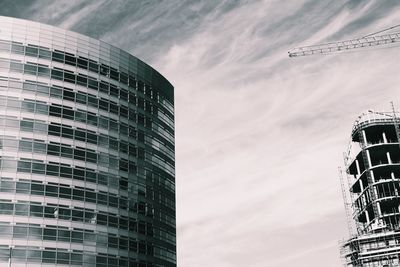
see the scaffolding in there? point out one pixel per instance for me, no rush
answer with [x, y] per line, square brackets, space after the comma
[372, 194]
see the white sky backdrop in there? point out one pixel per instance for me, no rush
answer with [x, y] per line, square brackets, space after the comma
[259, 136]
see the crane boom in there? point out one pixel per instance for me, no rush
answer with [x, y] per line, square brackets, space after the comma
[366, 41]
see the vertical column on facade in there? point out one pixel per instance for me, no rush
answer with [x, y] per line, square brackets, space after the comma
[368, 157]
[396, 192]
[364, 140]
[367, 216]
[388, 158]
[375, 191]
[378, 206]
[369, 174]
[358, 168]
[384, 138]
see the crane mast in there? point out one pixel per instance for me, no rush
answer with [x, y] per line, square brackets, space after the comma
[363, 42]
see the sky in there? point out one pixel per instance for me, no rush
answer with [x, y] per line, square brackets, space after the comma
[259, 135]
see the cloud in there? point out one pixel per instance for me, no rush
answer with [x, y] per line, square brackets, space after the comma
[259, 136]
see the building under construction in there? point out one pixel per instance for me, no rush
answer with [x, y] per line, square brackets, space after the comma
[372, 197]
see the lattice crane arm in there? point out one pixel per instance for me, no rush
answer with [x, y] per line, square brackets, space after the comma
[366, 41]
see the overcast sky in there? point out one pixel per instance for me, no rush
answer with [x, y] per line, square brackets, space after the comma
[259, 136]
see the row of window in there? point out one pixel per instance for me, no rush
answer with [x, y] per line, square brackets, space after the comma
[32, 187]
[97, 102]
[55, 129]
[164, 213]
[91, 100]
[156, 176]
[100, 103]
[119, 110]
[63, 191]
[64, 130]
[164, 131]
[65, 171]
[161, 163]
[110, 162]
[65, 112]
[67, 131]
[83, 174]
[65, 76]
[75, 258]
[55, 149]
[165, 90]
[164, 158]
[53, 211]
[87, 174]
[62, 212]
[87, 64]
[82, 236]
[66, 151]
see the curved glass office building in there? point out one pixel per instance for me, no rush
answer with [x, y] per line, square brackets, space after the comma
[87, 153]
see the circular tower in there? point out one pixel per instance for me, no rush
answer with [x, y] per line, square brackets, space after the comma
[87, 173]
[373, 172]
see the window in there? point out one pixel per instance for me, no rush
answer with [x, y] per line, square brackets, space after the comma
[56, 74]
[82, 80]
[93, 66]
[24, 166]
[51, 191]
[43, 71]
[36, 211]
[82, 63]
[66, 151]
[30, 69]
[26, 125]
[17, 49]
[55, 92]
[35, 233]
[49, 234]
[55, 111]
[37, 189]
[93, 84]
[77, 215]
[23, 187]
[68, 95]
[67, 132]
[6, 208]
[18, 253]
[77, 237]
[22, 209]
[53, 150]
[81, 98]
[52, 170]
[44, 53]
[114, 74]
[15, 66]
[70, 60]
[20, 232]
[78, 195]
[48, 256]
[114, 90]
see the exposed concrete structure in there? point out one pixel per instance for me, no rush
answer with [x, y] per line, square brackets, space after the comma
[373, 171]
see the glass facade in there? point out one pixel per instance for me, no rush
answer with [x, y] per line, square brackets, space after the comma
[87, 153]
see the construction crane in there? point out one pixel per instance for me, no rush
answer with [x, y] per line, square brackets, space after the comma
[370, 40]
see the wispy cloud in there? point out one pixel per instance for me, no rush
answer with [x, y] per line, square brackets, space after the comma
[259, 136]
